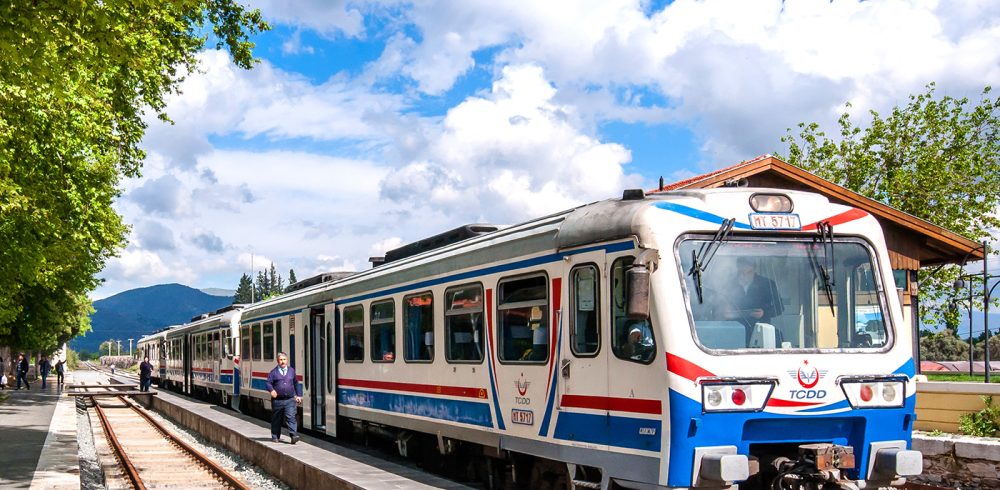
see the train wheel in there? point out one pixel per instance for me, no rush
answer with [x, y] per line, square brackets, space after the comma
[549, 475]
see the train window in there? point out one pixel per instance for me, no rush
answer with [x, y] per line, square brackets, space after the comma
[245, 342]
[418, 325]
[278, 341]
[217, 353]
[354, 334]
[463, 323]
[383, 327]
[268, 345]
[585, 335]
[786, 294]
[631, 339]
[522, 312]
[255, 340]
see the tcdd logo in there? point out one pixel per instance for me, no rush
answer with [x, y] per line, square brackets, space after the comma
[807, 376]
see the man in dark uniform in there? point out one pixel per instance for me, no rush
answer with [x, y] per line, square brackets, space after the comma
[145, 374]
[60, 368]
[753, 298]
[286, 395]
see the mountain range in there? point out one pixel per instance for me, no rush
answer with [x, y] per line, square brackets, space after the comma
[137, 312]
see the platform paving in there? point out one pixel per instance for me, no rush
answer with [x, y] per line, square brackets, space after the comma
[38, 434]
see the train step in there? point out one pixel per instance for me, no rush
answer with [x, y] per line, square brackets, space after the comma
[587, 484]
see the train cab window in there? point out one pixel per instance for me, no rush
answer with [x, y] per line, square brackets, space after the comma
[255, 340]
[245, 342]
[631, 339]
[522, 316]
[354, 334]
[585, 335]
[782, 294]
[463, 323]
[383, 327]
[268, 344]
[418, 325]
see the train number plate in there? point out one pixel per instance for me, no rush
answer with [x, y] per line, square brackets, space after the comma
[775, 221]
[524, 417]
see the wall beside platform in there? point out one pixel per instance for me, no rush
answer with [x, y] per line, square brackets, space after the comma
[954, 461]
[940, 404]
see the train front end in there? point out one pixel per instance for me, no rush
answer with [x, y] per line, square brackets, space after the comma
[790, 363]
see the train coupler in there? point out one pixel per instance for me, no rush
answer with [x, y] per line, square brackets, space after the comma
[817, 466]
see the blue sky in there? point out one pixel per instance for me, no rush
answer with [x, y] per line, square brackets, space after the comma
[368, 125]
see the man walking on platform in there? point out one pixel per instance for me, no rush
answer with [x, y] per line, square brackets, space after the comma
[60, 370]
[145, 374]
[22, 371]
[44, 366]
[286, 394]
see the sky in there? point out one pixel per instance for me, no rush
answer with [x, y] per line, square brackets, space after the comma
[368, 125]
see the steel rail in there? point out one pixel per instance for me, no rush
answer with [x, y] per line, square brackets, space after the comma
[205, 460]
[109, 433]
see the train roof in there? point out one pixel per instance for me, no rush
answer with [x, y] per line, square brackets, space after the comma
[610, 219]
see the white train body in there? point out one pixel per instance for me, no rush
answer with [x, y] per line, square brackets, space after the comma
[521, 340]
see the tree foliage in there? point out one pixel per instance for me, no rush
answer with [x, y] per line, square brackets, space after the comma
[935, 158]
[943, 346]
[76, 80]
[243, 295]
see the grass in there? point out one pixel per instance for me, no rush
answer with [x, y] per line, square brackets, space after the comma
[976, 378]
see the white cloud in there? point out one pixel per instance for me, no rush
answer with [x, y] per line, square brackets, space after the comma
[511, 154]
[329, 17]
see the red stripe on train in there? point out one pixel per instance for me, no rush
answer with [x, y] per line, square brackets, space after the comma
[634, 405]
[415, 388]
[685, 368]
[839, 219]
[777, 402]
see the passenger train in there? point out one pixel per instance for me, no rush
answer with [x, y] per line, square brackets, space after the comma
[610, 345]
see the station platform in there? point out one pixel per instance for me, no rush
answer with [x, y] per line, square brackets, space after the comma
[312, 463]
[38, 430]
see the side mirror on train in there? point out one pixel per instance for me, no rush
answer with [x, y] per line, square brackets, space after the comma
[637, 306]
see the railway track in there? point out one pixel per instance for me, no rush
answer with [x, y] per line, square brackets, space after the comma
[142, 453]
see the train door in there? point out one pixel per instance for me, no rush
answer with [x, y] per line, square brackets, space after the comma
[583, 365]
[186, 362]
[332, 357]
[317, 367]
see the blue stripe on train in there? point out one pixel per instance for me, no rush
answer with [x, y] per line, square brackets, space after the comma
[424, 406]
[624, 432]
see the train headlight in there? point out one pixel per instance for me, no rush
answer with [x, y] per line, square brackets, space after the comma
[735, 394]
[874, 392]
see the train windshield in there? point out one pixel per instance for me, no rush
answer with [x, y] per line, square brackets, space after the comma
[787, 294]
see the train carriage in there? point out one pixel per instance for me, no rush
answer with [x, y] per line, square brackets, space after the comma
[614, 343]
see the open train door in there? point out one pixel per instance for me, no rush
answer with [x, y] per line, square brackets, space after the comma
[317, 376]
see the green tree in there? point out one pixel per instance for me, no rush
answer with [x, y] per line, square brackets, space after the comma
[943, 346]
[243, 291]
[291, 277]
[76, 79]
[935, 158]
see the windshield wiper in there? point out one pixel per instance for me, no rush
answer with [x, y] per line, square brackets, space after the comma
[826, 271]
[701, 258]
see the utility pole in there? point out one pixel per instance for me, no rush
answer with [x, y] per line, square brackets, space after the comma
[253, 280]
[130, 347]
[986, 305]
[119, 347]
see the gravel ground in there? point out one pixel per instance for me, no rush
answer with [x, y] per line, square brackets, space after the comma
[91, 477]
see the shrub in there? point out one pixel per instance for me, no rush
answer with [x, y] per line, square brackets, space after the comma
[984, 423]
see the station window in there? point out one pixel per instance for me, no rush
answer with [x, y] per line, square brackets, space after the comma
[463, 323]
[585, 336]
[245, 342]
[354, 334]
[522, 312]
[418, 323]
[255, 339]
[631, 339]
[268, 345]
[383, 326]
